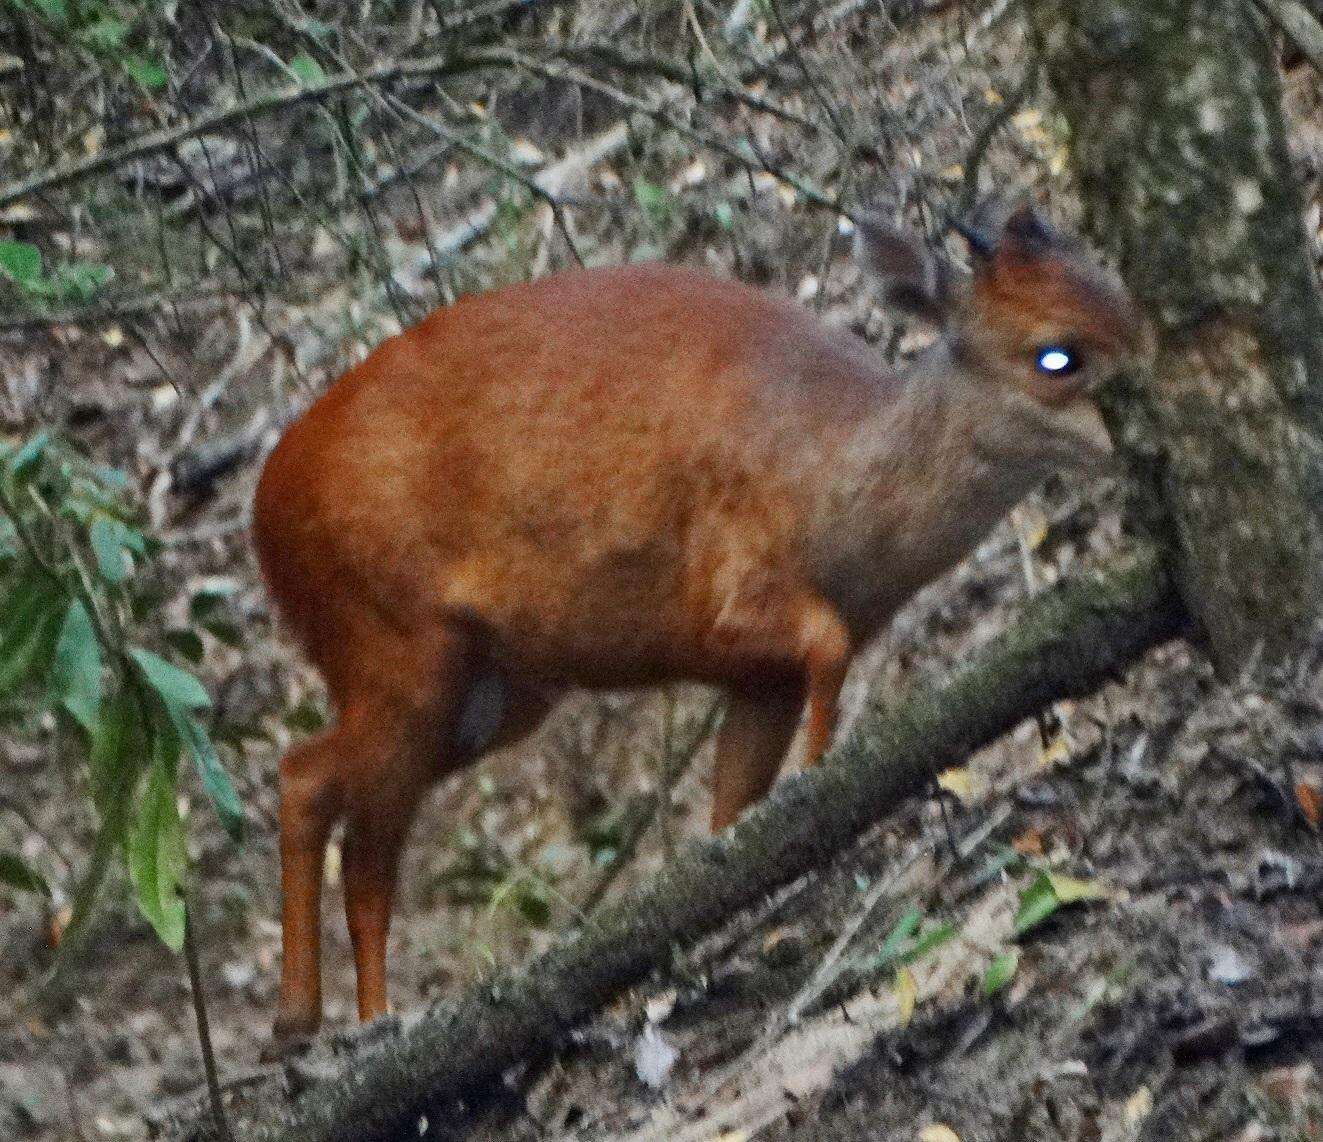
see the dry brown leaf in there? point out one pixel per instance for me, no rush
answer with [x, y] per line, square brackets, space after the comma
[1310, 801]
[56, 924]
[1029, 842]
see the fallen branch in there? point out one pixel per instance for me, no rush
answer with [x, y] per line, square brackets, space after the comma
[1300, 26]
[1067, 642]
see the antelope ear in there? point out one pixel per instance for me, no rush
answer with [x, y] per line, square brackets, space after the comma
[1026, 233]
[910, 275]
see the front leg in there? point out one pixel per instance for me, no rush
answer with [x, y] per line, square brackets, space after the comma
[795, 662]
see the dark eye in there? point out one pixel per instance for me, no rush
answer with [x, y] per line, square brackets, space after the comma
[1058, 360]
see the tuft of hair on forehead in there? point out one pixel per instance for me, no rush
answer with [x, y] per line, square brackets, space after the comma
[1037, 278]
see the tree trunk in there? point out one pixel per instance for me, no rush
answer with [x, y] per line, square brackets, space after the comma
[1178, 143]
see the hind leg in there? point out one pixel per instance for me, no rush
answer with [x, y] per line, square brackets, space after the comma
[310, 805]
[377, 826]
[754, 736]
[380, 812]
[372, 767]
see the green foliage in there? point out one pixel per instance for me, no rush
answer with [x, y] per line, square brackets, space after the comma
[17, 873]
[147, 73]
[1048, 892]
[72, 567]
[105, 30]
[908, 941]
[1000, 971]
[21, 263]
[306, 69]
[654, 202]
[481, 874]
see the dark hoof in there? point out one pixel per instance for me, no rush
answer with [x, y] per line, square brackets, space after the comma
[289, 1037]
[373, 1033]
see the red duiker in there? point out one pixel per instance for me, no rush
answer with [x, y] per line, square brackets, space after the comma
[615, 477]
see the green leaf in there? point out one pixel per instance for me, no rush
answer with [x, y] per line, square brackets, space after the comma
[157, 858]
[20, 262]
[28, 645]
[178, 689]
[206, 601]
[187, 642]
[306, 69]
[115, 760]
[104, 34]
[16, 609]
[898, 937]
[215, 781]
[17, 873]
[76, 669]
[307, 717]
[53, 10]
[1050, 891]
[107, 538]
[902, 945]
[226, 632]
[534, 906]
[114, 479]
[1001, 971]
[1037, 903]
[1071, 889]
[81, 280]
[929, 939]
[22, 461]
[147, 73]
[652, 200]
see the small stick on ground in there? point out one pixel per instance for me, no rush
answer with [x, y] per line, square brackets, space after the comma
[204, 1028]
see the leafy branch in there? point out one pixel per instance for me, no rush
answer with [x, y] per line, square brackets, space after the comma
[72, 563]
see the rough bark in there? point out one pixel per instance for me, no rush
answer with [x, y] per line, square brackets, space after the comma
[1067, 643]
[1178, 143]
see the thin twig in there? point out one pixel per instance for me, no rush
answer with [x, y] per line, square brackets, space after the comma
[667, 118]
[810, 80]
[204, 1028]
[677, 762]
[978, 148]
[508, 169]
[157, 142]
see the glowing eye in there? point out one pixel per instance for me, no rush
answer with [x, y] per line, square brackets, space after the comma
[1057, 361]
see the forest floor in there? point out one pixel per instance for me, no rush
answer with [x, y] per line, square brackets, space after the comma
[1174, 1001]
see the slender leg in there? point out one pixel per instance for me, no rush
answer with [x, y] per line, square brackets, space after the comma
[796, 661]
[309, 807]
[751, 744]
[826, 657]
[381, 812]
[374, 838]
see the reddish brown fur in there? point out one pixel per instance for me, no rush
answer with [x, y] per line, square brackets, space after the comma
[605, 478]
